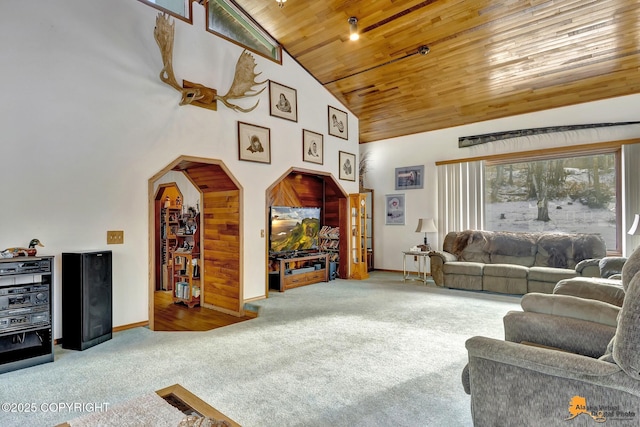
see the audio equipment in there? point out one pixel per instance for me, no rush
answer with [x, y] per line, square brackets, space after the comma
[25, 312]
[86, 299]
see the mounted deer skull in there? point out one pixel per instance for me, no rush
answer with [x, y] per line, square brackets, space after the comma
[200, 95]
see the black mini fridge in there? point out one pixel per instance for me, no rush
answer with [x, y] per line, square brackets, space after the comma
[86, 299]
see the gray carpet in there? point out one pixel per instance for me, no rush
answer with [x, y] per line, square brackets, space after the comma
[377, 352]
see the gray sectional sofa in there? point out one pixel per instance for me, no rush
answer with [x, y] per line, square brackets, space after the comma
[514, 263]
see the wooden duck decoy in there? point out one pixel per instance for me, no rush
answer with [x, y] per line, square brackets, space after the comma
[16, 252]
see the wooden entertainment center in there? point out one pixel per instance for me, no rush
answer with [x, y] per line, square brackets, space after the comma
[304, 270]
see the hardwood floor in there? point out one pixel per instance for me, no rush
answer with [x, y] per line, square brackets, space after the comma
[178, 317]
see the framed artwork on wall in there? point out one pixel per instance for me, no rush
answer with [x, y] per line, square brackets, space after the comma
[312, 147]
[409, 177]
[283, 101]
[395, 209]
[338, 123]
[254, 143]
[347, 166]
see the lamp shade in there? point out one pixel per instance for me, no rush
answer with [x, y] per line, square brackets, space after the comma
[635, 227]
[426, 225]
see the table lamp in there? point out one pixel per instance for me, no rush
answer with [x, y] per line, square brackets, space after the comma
[426, 225]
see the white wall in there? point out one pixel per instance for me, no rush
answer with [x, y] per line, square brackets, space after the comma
[86, 122]
[430, 147]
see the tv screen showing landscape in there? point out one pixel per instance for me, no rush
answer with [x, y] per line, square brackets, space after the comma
[294, 229]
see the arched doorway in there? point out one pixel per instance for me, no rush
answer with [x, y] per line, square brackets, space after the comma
[220, 234]
[303, 188]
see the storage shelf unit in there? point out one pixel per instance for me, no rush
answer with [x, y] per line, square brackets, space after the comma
[304, 270]
[169, 227]
[330, 242]
[186, 278]
[358, 236]
[26, 316]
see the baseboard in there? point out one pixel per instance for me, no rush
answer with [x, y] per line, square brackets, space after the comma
[251, 310]
[131, 326]
[116, 329]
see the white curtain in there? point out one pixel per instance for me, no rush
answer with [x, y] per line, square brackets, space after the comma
[460, 197]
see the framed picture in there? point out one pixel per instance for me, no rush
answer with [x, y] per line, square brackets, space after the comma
[254, 143]
[395, 208]
[338, 123]
[312, 147]
[347, 166]
[410, 177]
[283, 101]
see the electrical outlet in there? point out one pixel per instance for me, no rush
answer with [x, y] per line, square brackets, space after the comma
[115, 237]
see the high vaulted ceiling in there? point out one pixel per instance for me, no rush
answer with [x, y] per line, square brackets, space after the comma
[488, 58]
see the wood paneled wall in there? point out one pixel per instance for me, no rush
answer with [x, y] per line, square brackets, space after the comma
[221, 250]
[312, 189]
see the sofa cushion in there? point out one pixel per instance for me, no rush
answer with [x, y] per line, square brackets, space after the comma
[505, 270]
[555, 250]
[470, 246]
[505, 285]
[512, 244]
[462, 281]
[526, 261]
[549, 274]
[462, 267]
[449, 240]
[611, 265]
[587, 246]
[607, 290]
[570, 306]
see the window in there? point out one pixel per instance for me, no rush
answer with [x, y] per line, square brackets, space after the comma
[180, 9]
[465, 199]
[229, 21]
[566, 193]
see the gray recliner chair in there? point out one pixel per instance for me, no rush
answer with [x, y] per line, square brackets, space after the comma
[581, 319]
[608, 287]
[516, 384]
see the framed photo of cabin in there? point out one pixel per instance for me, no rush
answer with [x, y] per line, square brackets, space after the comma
[347, 166]
[283, 101]
[312, 147]
[338, 123]
[409, 177]
[254, 143]
[394, 209]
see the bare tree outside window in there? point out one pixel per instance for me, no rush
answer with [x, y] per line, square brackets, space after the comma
[570, 195]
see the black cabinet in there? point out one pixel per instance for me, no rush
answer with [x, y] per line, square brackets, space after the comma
[86, 299]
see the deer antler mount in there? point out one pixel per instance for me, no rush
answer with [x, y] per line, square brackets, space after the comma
[199, 95]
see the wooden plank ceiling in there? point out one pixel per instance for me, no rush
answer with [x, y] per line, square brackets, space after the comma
[488, 59]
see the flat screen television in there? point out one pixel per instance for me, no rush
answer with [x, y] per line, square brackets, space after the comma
[293, 228]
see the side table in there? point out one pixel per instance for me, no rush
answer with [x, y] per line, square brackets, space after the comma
[422, 256]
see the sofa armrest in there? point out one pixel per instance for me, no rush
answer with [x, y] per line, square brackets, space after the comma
[551, 363]
[444, 256]
[605, 290]
[564, 333]
[589, 267]
[568, 306]
[437, 259]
